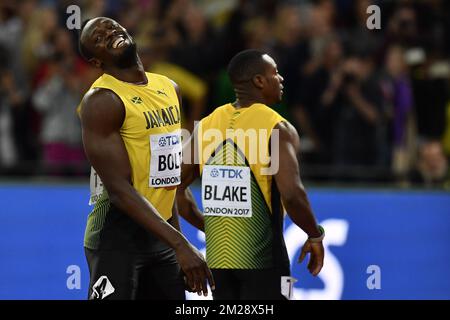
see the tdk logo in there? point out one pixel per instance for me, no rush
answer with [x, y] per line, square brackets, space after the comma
[168, 141]
[214, 173]
[226, 173]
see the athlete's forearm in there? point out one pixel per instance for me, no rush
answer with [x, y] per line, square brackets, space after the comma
[174, 220]
[188, 209]
[299, 210]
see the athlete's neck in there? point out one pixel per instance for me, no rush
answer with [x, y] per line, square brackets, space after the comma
[134, 74]
[246, 98]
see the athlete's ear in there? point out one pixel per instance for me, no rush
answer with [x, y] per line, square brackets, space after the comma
[259, 81]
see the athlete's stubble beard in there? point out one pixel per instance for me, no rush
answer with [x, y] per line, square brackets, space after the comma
[128, 58]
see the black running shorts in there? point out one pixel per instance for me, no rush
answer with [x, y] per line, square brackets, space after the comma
[251, 284]
[120, 275]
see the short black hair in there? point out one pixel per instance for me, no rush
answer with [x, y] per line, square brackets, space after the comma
[84, 52]
[246, 64]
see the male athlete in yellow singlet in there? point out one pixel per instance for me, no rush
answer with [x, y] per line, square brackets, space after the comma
[131, 135]
[243, 194]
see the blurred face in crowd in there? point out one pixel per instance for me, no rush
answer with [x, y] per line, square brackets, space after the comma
[332, 52]
[255, 32]
[109, 43]
[47, 20]
[404, 23]
[273, 89]
[288, 27]
[432, 161]
[195, 22]
[63, 41]
[321, 18]
[395, 62]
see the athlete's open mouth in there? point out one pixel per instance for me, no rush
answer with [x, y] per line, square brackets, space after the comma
[117, 40]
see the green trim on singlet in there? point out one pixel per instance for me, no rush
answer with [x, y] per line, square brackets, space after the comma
[96, 220]
[237, 242]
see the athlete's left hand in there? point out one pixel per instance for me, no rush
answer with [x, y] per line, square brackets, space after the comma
[316, 250]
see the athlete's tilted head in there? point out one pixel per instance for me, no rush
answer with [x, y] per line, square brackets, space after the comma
[105, 43]
[254, 73]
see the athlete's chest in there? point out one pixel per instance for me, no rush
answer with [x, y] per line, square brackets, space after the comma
[150, 111]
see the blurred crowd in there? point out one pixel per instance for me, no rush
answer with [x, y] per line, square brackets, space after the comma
[370, 105]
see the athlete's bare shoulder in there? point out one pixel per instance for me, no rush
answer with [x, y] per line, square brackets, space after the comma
[288, 133]
[101, 105]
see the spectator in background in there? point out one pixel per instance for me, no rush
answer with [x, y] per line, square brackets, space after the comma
[16, 131]
[56, 99]
[155, 59]
[290, 48]
[11, 35]
[360, 123]
[95, 8]
[232, 36]
[398, 103]
[423, 52]
[446, 137]
[431, 167]
[430, 81]
[9, 99]
[319, 29]
[317, 102]
[402, 28]
[61, 46]
[197, 51]
[358, 37]
[37, 42]
[196, 48]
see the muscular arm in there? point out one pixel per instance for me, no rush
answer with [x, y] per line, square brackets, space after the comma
[294, 196]
[289, 184]
[187, 207]
[102, 115]
[174, 221]
[189, 172]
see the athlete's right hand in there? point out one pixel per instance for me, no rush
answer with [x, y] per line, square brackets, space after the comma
[194, 267]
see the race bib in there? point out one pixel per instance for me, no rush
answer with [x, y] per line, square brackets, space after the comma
[96, 187]
[165, 163]
[226, 191]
